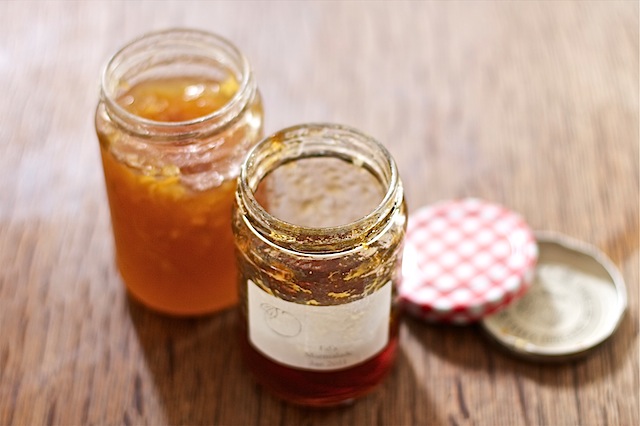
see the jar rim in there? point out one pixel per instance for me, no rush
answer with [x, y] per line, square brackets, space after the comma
[246, 84]
[318, 239]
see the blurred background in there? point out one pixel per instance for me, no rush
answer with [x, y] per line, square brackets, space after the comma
[530, 104]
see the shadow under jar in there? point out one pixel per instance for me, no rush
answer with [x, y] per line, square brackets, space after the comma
[179, 110]
[319, 223]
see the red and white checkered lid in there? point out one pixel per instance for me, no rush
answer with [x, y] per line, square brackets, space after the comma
[465, 259]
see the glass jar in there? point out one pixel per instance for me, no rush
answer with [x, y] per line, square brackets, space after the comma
[319, 223]
[178, 111]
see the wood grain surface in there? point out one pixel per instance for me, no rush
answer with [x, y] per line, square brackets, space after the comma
[530, 104]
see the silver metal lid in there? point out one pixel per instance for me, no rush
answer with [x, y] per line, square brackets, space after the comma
[576, 302]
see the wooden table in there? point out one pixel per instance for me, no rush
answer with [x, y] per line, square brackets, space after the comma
[533, 105]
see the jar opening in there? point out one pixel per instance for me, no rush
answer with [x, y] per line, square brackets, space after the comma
[175, 53]
[360, 195]
[320, 192]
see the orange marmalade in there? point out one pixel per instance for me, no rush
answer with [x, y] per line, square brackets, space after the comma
[171, 149]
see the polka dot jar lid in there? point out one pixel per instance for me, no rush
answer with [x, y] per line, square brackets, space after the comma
[465, 259]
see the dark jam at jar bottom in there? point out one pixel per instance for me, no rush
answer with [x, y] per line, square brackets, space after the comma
[320, 388]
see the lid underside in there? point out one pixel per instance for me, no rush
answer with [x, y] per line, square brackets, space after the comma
[576, 302]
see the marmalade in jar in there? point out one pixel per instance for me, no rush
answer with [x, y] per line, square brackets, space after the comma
[171, 144]
[318, 263]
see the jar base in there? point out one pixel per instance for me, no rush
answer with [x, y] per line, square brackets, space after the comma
[176, 312]
[319, 389]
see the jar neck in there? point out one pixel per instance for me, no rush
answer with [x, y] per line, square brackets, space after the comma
[176, 53]
[309, 141]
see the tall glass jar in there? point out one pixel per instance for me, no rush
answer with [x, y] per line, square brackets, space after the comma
[319, 224]
[178, 111]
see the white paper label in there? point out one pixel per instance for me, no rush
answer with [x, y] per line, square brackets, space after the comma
[319, 337]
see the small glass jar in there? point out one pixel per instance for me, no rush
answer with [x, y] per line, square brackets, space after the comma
[178, 111]
[319, 223]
